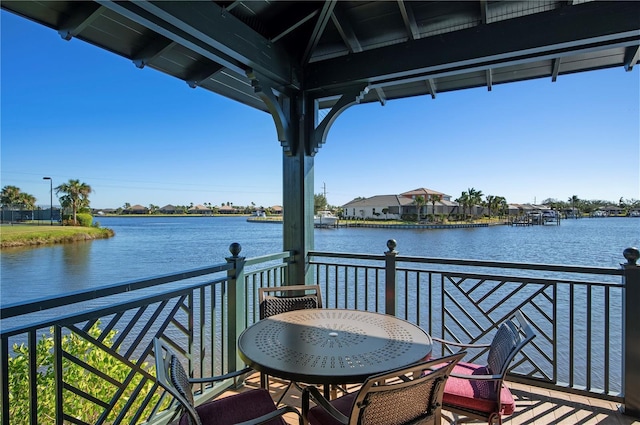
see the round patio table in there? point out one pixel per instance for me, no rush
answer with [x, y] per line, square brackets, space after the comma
[332, 346]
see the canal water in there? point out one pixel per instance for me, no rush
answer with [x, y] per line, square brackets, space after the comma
[150, 246]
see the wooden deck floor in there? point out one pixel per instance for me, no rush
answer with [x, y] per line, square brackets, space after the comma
[534, 406]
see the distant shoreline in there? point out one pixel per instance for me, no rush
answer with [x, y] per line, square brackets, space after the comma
[388, 225]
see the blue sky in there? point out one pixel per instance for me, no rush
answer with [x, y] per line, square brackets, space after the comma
[73, 111]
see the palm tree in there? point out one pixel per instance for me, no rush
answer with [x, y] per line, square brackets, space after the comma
[475, 198]
[574, 200]
[490, 203]
[463, 200]
[76, 196]
[434, 198]
[11, 196]
[500, 204]
[419, 201]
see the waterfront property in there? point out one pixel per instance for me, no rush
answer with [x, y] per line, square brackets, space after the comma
[584, 317]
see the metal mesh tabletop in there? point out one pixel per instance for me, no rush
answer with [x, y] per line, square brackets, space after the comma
[324, 346]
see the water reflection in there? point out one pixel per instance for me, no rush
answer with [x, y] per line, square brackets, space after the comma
[76, 258]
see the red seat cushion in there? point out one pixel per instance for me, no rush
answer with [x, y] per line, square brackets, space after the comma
[318, 416]
[475, 394]
[236, 408]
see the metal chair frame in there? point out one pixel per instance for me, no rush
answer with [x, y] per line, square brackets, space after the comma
[171, 375]
[524, 333]
[395, 392]
[295, 296]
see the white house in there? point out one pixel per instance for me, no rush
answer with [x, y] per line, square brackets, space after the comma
[376, 207]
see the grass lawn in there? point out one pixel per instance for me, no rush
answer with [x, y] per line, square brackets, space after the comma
[27, 234]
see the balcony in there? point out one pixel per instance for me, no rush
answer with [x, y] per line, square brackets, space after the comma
[94, 362]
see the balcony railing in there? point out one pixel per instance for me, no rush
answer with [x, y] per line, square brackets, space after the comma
[86, 357]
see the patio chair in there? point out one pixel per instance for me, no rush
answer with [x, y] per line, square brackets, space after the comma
[281, 299]
[476, 392]
[288, 298]
[252, 407]
[385, 399]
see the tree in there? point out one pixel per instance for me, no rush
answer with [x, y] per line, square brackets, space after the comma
[76, 196]
[475, 198]
[319, 202]
[419, 201]
[574, 200]
[434, 198]
[12, 196]
[464, 201]
[501, 205]
[490, 199]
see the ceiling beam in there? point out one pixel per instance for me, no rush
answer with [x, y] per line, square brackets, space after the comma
[409, 20]
[586, 27]
[345, 30]
[210, 31]
[153, 50]
[431, 86]
[201, 74]
[631, 57]
[295, 26]
[484, 9]
[318, 30]
[81, 17]
[381, 96]
[555, 70]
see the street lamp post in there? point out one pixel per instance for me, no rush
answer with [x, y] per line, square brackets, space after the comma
[51, 197]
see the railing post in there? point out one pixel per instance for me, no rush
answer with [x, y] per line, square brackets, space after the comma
[390, 296]
[236, 297]
[631, 332]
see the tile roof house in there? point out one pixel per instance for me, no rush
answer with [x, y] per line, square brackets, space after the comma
[395, 206]
[138, 209]
[426, 194]
[199, 209]
[168, 209]
[226, 209]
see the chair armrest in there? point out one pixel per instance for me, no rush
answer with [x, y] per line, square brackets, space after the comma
[459, 344]
[315, 394]
[477, 377]
[272, 415]
[220, 377]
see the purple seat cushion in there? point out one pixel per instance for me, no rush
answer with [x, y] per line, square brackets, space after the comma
[475, 394]
[318, 416]
[236, 408]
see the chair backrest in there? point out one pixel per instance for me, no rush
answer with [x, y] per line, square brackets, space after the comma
[174, 379]
[288, 298]
[385, 399]
[512, 335]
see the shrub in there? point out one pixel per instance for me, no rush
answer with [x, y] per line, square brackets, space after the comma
[84, 219]
[81, 378]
